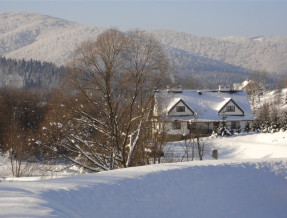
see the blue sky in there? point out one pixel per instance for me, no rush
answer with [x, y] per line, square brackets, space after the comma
[207, 18]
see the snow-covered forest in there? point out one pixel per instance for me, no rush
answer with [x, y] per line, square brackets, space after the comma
[28, 74]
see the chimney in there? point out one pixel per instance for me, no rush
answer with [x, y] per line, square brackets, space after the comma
[236, 86]
[177, 89]
[224, 88]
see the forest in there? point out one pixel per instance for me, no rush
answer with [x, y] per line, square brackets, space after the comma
[28, 74]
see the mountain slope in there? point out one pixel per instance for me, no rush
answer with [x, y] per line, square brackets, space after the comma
[255, 53]
[215, 60]
[185, 63]
[40, 37]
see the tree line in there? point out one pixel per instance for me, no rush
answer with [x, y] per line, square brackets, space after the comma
[28, 74]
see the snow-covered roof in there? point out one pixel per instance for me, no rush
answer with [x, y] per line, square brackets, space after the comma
[206, 104]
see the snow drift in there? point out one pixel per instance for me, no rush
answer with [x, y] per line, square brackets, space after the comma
[248, 180]
[191, 189]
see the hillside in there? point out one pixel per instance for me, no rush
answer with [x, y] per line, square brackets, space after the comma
[45, 38]
[270, 97]
[41, 37]
[254, 53]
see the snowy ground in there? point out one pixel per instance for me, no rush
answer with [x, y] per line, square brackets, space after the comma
[269, 98]
[248, 180]
[243, 146]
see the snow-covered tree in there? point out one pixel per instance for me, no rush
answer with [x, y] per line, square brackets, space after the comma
[113, 80]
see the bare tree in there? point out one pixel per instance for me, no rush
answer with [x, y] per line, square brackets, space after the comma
[113, 79]
[197, 143]
[17, 144]
[21, 113]
[258, 77]
[278, 96]
[158, 143]
[255, 86]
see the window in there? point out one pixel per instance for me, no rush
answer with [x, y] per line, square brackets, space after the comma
[180, 109]
[233, 125]
[176, 125]
[230, 108]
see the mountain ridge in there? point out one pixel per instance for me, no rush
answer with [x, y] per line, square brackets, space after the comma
[46, 38]
[240, 51]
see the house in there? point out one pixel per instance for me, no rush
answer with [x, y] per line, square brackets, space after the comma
[178, 113]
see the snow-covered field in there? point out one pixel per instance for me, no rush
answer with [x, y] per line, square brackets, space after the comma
[248, 180]
[243, 146]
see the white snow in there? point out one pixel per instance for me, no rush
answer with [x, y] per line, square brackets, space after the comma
[237, 147]
[190, 189]
[254, 145]
[229, 187]
[269, 97]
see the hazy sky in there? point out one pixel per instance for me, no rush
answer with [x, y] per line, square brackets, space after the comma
[207, 18]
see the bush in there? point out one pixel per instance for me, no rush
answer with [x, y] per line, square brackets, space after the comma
[247, 127]
[238, 128]
[223, 131]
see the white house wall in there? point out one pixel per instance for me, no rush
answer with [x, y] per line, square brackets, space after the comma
[182, 131]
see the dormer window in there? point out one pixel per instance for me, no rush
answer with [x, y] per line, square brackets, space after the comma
[230, 108]
[180, 108]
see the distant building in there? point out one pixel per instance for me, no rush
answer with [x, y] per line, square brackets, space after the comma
[179, 113]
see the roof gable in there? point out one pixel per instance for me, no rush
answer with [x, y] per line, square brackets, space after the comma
[180, 101]
[236, 106]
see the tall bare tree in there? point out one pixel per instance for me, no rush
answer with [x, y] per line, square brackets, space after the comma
[113, 80]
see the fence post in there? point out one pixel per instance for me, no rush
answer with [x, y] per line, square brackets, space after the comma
[215, 154]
